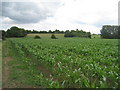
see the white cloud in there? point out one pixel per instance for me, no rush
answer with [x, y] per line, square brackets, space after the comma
[88, 11]
[88, 15]
[7, 20]
[25, 12]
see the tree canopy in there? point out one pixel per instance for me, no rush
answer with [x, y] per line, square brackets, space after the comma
[16, 32]
[110, 32]
[77, 33]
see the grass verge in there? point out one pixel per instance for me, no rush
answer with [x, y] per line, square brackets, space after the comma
[23, 74]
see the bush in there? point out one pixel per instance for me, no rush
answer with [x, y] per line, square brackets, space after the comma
[37, 37]
[53, 36]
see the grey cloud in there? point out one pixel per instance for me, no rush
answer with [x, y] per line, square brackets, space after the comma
[98, 24]
[24, 12]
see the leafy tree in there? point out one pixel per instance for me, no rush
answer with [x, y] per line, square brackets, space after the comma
[56, 31]
[77, 33]
[28, 31]
[110, 32]
[3, 35]
[69, 34]
[35, 31]
[43, 32]
[89, 35]
[61, 31]
[118, 32]
[16, 32]
[50, 31]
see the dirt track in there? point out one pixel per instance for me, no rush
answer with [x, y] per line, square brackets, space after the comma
[6, 60]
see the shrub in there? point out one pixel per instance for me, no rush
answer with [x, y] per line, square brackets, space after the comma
[53, 36]
[37, 37]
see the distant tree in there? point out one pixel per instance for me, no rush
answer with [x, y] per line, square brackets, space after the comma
[43, 32]
[89, 35]
[77, 30]
[118, 32]
[56, 31]
[16, 32]
[3, 34]
[37, 37]
[110, 32]
[69, 34]
[49, 31]
[77, 33]
[53, 36]
[28, 31]
[67, 31]
[61, 31]
[0, 34]
[35, 31]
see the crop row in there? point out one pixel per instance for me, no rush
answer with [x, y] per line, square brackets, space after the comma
[75, 62]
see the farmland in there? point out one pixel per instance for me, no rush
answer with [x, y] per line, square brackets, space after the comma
[65, 62]
[45, 35]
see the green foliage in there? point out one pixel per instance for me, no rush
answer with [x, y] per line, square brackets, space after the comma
[35, 31]
[56, 31]
[50, 31]
[75, 62]
[24, 71]
[110, 32]
[16, 32]
[77, 33]
[37, 37]
[2, 34]
[69, 34]
[53, 36]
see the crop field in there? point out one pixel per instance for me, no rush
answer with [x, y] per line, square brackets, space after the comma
[69, 62]
[43, 35]
[46, 35]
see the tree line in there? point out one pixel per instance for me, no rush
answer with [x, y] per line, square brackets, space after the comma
[107, 31]
[21, 32]
[50, 31]
[14, 32]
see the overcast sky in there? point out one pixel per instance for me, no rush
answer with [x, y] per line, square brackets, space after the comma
[88, 15]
